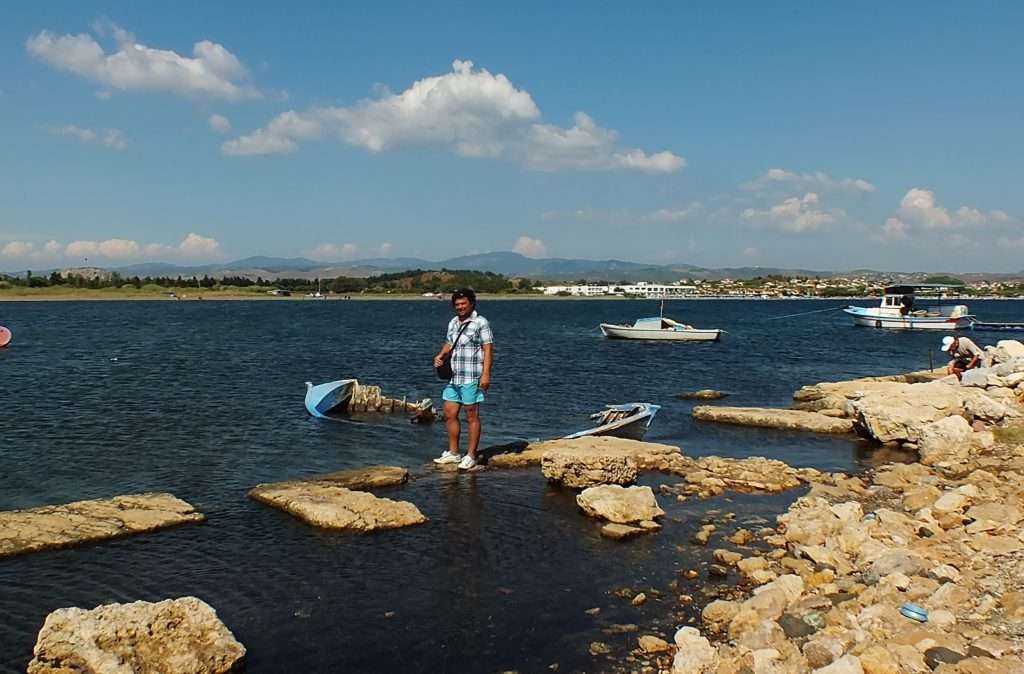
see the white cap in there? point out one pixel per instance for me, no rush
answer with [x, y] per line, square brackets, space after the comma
[947, 342]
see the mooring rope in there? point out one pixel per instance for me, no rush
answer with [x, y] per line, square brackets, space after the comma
[804, 313]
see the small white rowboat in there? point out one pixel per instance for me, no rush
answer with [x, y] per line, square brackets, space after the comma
[660, 328]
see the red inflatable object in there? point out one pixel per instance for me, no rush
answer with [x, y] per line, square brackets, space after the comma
[5, 336]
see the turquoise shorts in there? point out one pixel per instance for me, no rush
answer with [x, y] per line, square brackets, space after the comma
[463, 394]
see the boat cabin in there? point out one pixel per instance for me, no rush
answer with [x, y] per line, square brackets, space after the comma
[660, 323]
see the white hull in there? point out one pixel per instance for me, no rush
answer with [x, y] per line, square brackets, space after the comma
[910, 322]
[629, 332]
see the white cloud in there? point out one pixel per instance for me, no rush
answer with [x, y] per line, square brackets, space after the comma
[211, 72]
[334, 251]
[471, 113]
[193, 247]
[751, 251]
[530, 247]
[385, 249]
[198, 246]
[894, 229]
[17, 249]
[919, 207]
[219, 123]
[804, 182]
[796, 214]
[112, 138]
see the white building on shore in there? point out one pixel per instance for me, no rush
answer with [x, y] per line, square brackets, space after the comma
[636, 289]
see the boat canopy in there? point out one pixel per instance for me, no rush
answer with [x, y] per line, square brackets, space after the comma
[659, 323]
[911, 288]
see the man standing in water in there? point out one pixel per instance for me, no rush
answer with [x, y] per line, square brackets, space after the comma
[470, 343]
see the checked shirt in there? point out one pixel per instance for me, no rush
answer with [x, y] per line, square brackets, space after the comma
[468, 354]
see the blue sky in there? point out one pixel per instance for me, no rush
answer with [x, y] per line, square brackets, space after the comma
[828, 136]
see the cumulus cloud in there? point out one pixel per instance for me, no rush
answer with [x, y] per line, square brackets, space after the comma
[796, 214]
[778, 178]
[211, 72]
[193, 247]
[219, 123]
[920, 212]
[530, 247]
[919, 207]
[112, 138]
[334, 251]
[469, 112]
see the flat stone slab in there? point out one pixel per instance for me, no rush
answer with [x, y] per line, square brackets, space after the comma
[329, 506]
[370, 477]
[174, 636]
[61, 526]
[767, 417]
[646, 454]
[620, 505]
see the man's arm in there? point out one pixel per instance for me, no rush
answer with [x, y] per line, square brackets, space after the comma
[485, 376]
[439, 358]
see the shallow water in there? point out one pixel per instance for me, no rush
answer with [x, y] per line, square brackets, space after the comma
[205, 400]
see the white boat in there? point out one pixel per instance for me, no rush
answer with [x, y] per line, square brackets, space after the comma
[660, 328]
[621, 421]
[902, 309]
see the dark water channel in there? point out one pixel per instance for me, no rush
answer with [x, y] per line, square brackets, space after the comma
[204, 399]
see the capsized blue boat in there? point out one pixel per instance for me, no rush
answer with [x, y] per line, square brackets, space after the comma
[333, 396]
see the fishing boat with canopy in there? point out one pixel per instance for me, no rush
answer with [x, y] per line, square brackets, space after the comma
[916, 306]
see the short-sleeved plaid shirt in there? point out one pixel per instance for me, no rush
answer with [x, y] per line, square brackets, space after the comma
[468, 354]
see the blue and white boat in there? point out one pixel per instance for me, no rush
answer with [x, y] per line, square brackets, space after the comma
[324, 399]
[901, 308]
[630, 421]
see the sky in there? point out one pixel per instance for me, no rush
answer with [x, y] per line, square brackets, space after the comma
[828, 136]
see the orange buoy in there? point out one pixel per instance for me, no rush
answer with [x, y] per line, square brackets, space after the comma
[5, 336]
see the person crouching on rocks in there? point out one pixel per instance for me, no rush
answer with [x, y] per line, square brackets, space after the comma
[470, 343]
[966, 354]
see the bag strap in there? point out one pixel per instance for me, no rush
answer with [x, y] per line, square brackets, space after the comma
[459, 336]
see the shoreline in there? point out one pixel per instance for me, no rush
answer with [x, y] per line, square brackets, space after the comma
[214, 296]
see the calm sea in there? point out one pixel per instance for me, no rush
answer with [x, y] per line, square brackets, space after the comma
[204, 399]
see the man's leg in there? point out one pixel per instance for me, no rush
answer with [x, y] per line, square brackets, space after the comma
[473, 420]
[451, 420]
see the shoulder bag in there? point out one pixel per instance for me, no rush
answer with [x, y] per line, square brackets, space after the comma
[444, 370]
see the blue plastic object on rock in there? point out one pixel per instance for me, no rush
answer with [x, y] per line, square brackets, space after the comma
[914, 612]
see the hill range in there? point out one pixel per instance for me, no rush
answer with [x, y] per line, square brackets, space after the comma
[508, 264]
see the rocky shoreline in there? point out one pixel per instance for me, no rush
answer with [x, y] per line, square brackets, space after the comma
[910, 569]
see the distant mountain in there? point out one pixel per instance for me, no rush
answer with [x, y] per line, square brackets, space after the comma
[501, 262]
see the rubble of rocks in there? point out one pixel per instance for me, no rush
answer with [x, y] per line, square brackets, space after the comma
[60, 526]
[915, 569]
[334, 500]
[174, 636]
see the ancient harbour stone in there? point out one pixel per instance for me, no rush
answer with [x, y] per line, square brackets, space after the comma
[59, 526]
[587, 468]
[621, 505]
[703, 394]
[331, 507]
[794, 420]
[370, 477]
[174, 636]
[648, 455]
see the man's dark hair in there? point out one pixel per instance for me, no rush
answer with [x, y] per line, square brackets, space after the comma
[464, 293]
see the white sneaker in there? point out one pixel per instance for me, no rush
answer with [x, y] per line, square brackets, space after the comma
[467, 463]
[447, 457]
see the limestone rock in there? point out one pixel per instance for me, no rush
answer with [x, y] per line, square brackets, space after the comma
[719, 613]
[647, 455]
[619, 532]
[652, 644]
[703, 394]
[794, 420]
[848, 664]
[899, 413]
[174, 636]
[369, 477]
[324, 505]
[945, 439]
[694, 653]
[587, 468]
[622, 505]
[60, 526]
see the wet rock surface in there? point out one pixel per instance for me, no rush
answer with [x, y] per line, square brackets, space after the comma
[325, 505]
[175, 636]
[60, 526]
[620, 505]
[587, 468]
